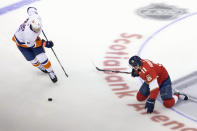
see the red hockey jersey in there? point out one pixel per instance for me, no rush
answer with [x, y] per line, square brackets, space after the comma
[154, 75]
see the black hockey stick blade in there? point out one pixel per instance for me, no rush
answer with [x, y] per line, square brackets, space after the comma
[100, 69]
[112, 71]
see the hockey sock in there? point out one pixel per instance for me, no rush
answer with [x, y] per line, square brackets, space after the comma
[176, 97]
[35, 62]
[44, 62]
[47, 65]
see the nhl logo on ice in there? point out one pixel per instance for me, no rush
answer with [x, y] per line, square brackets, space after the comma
[161, 12]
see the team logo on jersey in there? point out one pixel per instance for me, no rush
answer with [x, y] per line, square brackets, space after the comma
[148, 78]
[161, 12]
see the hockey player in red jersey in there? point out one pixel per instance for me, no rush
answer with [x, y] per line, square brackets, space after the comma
[31, 46]
[156, 80]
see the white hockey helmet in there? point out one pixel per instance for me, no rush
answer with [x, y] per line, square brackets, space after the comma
[36, 24]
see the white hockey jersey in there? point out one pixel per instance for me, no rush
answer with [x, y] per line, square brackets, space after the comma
[25, 36]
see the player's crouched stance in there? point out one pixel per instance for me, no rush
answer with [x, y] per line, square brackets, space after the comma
[31, 46]
[156, 79]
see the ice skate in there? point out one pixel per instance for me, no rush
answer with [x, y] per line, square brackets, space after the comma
[42, 69]
[181, 95]
[52, 76]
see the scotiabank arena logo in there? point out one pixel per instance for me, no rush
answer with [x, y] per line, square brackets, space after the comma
[161, 12]
[115, 59]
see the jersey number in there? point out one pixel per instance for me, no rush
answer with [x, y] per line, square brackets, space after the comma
[22, 26]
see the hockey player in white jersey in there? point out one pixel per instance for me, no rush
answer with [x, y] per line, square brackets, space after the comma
[31, 46]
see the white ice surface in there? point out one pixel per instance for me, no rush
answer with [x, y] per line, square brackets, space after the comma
[82, 32]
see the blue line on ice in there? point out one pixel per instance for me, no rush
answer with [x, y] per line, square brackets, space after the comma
[15, 6]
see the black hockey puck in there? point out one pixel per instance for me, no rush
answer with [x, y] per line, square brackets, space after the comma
[50, 99]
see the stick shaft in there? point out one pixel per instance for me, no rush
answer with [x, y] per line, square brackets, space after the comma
[112, 71]
[55, 55]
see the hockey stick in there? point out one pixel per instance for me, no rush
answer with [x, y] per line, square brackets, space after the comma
[112, 71]
[55, 55]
